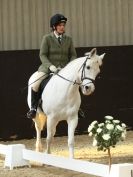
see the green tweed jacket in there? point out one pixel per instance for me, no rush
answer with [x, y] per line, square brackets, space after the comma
[53, 53]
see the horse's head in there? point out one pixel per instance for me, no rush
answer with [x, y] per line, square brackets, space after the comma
[89, 70]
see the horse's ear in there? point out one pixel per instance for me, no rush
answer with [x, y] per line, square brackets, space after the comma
[93, 52]
[102, 56]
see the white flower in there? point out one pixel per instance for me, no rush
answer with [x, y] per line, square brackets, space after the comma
[109, 117]
[110, 126]
[101, 124]
[94, 142]
[125, 132]
[106, 137]
[99, 130]
[94, 122]
[107, 121]
[90, 128]
[123, 125]
[116, 121]
[123, 135]
[90, 134]
[119, 127]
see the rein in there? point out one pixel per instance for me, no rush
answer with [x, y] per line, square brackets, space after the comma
[74, 82]
[33, 82]
[82, 75]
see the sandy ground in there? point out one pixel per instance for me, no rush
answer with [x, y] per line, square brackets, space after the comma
[123, 153]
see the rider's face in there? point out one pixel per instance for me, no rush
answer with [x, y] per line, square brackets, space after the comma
[60, 28]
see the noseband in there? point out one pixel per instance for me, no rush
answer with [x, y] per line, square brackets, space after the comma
[83, 77]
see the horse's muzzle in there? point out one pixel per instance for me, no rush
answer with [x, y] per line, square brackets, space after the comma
[88, 89]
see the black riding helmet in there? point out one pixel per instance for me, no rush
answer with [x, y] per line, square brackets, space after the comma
[56, 19]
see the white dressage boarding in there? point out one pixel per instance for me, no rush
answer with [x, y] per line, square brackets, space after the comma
[61, 97]
[16, 155]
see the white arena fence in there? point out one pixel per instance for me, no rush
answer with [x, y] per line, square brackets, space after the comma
[17, 155]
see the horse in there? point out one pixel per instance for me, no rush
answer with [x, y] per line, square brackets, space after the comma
[61, 98]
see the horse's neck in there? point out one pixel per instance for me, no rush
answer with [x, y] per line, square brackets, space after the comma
[71, 70]
[69, 75]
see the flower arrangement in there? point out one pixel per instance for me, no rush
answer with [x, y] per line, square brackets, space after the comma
[107, 134]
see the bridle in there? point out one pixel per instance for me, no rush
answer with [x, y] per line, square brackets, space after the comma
[83, 77]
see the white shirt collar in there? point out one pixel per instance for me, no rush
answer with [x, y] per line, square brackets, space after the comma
[56, 35]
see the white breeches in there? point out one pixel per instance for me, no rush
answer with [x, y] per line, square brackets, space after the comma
[36, 79]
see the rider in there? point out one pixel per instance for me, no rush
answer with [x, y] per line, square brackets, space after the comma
[56, 51]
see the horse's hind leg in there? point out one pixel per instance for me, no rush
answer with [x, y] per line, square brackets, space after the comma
[51, 128]
[40, 122]
[72, 124]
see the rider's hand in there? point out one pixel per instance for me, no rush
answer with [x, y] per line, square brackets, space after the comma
[53, 69]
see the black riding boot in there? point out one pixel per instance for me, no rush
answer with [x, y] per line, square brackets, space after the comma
[34, 104]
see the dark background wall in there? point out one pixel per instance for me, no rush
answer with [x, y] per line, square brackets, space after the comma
[113, 94]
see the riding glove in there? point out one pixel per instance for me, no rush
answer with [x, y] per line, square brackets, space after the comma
[53, 69]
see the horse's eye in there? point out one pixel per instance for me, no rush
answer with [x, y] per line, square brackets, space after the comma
[88, 67]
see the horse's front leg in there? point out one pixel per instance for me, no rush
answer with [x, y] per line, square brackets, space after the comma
[40, 121]
[72, 124]
[38, 138]
[51, 128]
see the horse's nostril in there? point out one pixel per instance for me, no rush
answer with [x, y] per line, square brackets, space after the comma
[86, 87]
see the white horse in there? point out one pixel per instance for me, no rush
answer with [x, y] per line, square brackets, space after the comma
[61, 97]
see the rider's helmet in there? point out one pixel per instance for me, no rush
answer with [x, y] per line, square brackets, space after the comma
[56, 19]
